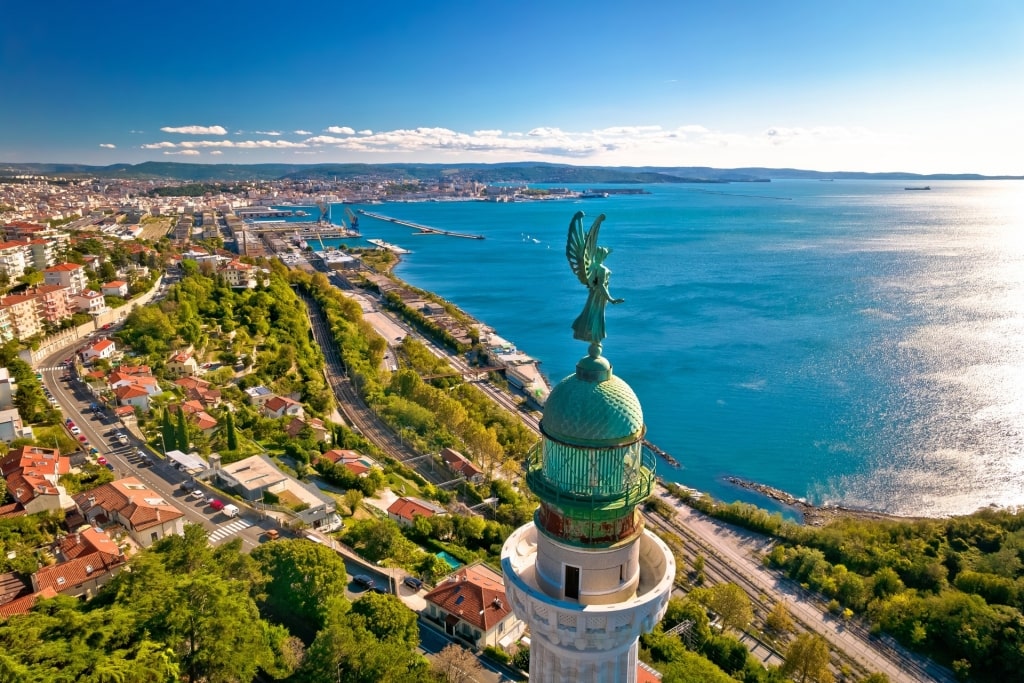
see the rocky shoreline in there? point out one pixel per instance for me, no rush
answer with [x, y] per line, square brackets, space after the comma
[812, 515]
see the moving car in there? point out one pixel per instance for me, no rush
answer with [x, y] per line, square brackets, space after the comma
[413, 582]
[363, 580]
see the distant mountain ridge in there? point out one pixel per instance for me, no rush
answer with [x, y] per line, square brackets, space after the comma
[526, 172]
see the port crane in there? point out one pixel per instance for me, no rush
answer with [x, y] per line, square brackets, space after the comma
[325, 213]
[352, 219]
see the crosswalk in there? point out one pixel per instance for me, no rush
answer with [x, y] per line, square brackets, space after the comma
[52, 368]
[229, 529]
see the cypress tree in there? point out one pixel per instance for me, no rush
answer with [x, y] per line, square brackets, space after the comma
[229, 425]
[182, 432]
[167, 430]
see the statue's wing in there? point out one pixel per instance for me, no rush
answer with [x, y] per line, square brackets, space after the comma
[590, 246]
[576, 248]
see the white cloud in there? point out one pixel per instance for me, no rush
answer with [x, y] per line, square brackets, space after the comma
[185, 152]
[640, 144]
[216, 152]
[272, 133]
[196, 130]
[107, 145]
[302, 132]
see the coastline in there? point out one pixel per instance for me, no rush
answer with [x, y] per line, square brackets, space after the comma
[814, 515]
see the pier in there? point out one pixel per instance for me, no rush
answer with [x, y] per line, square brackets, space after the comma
[393, 248]
[423, 229]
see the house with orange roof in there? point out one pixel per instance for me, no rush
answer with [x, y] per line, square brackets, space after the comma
[182, 363]
[279, 406]
[115, 288]
[32, 475]
[316, 425]
[104, 348]
[89, 301]
[461, 465]
[70, 275]
[239, 275]
[354, 461]
[471, 605]
[132, 395]
[86, 561]
[136, 507]
[197, 415]
[200, 390]
[405, 509]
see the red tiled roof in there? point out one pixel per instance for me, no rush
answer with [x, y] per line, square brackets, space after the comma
[62, 267]
[133, 500]
[67, 575]
[23, 604]
[407, 508]
[475, 594]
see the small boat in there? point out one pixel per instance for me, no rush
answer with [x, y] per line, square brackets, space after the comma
[923, 187]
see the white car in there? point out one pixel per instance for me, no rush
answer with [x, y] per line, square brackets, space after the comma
[76, 431]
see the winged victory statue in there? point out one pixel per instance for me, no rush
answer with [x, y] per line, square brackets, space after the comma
[586, 259]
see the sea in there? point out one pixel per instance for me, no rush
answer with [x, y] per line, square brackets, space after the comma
[849, 342]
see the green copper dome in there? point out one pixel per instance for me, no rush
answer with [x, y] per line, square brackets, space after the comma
[593, 408]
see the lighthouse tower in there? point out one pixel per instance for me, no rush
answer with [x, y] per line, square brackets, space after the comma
[585, 575]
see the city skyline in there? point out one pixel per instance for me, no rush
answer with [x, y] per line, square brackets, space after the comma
[913, 86]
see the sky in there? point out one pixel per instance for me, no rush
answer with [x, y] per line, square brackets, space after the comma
[844, 85]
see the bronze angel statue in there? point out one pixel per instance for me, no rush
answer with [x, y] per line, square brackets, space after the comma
[587, 260]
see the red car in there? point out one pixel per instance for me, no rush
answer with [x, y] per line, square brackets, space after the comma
[82, 438]
[216, 505]
[101, 460]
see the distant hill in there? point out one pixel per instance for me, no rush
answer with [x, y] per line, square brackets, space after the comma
[524, 172]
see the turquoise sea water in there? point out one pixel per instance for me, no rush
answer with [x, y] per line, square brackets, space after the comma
[845, 341]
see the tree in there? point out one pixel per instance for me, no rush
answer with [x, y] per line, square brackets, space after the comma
[455, 664]
[167, 432]
[181, 433]
[353, 497]
[779, 619]
[229, 427]
[731, 603]
[807, 659]
[388, 618]
[303, 576]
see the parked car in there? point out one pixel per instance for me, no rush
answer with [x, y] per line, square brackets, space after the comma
[197, 494]
[413, 582]
[187, 485]
[101, 460]
[216, 505]
[122, 438]
[363, 580]
[109, 467]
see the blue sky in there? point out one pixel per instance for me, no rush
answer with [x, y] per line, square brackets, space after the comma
[868, 85]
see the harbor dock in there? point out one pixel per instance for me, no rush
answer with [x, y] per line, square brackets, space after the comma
[423, 229]
[393, 248]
